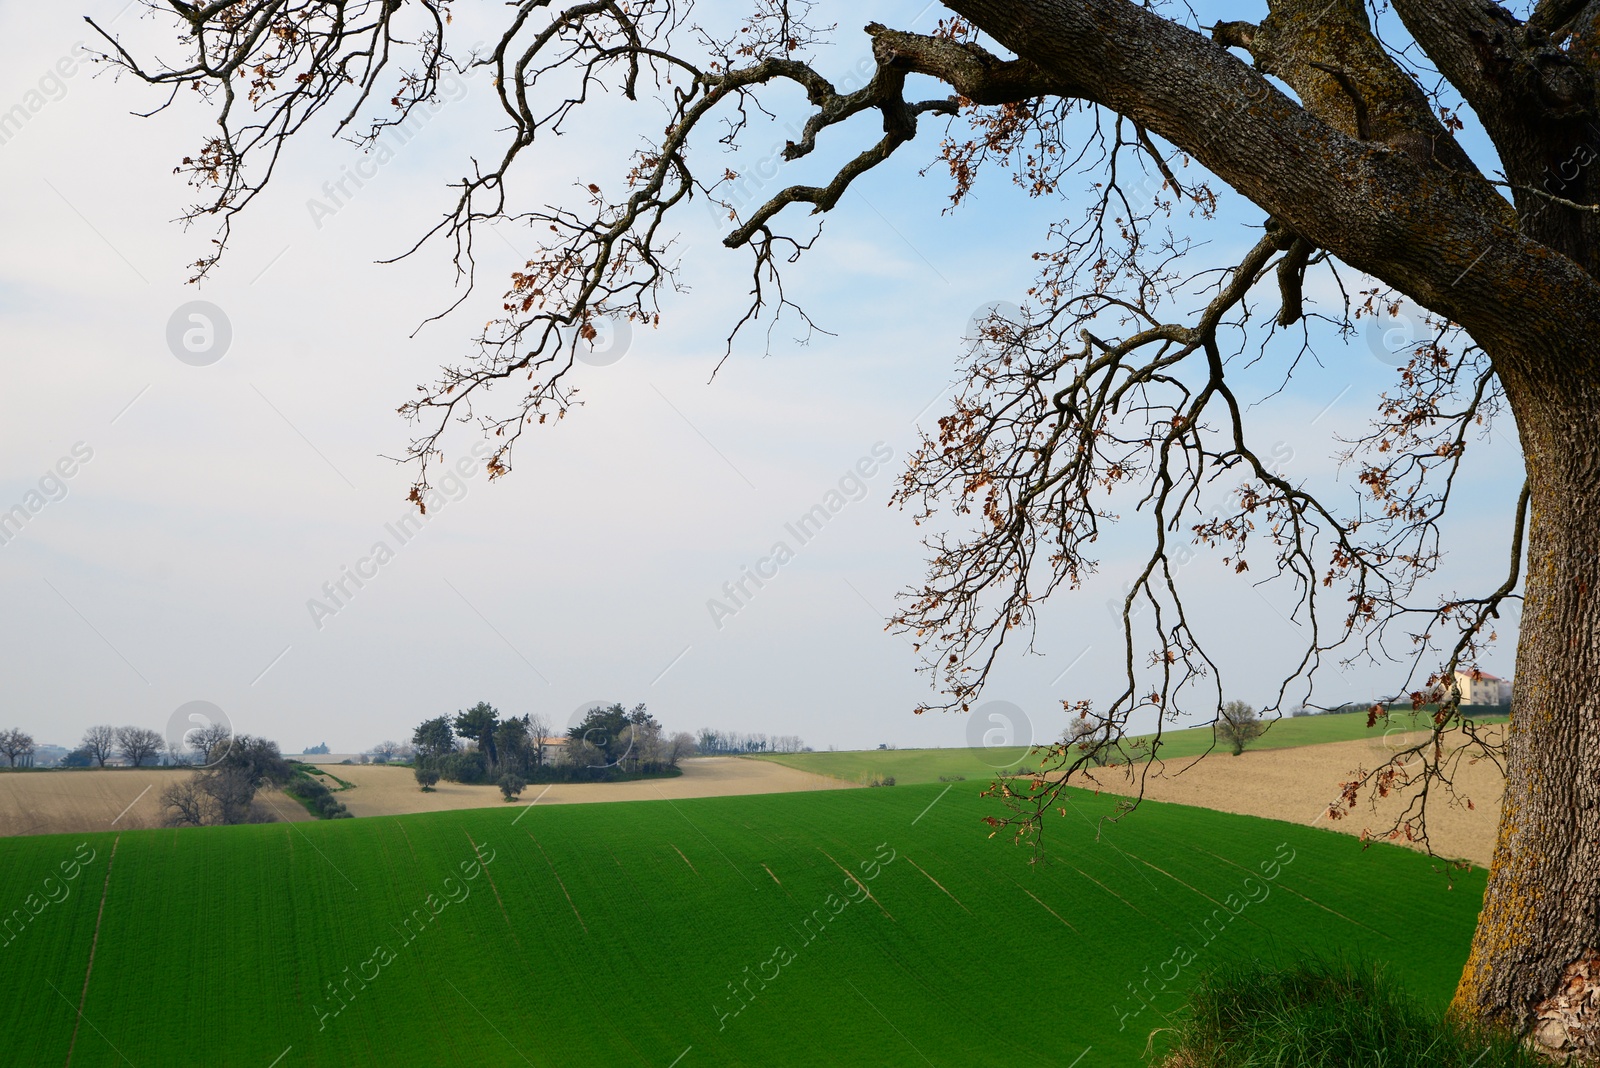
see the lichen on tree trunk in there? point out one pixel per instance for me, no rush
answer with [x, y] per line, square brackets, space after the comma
[1542, 908]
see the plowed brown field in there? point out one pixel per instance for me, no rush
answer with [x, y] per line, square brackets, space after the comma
[1298, 784]
[67, 801]
[389, 791]
[94, 799]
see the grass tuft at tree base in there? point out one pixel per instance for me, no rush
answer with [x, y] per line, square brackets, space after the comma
[1326, 1014]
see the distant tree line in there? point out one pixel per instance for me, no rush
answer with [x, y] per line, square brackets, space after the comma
[1336, 710]
[135, 746]
[1391, 705]
[730, 743]
[138, 746]
[478, 746]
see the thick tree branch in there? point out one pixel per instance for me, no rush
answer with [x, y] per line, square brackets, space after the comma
[1329, 55]
[1442, 237]
[969, 69]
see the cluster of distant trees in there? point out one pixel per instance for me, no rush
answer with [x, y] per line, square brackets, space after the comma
[479, 746]
[629, 741]
[730, 743]
[223, 791]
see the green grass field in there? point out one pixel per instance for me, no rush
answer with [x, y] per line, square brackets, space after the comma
[910, 766]
[620, 934]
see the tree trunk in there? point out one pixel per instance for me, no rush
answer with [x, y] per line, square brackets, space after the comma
[1542, 910]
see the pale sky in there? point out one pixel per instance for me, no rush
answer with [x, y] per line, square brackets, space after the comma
[209, 503]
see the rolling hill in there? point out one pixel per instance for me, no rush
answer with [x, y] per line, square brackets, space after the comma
[910, 766]
[854, 927]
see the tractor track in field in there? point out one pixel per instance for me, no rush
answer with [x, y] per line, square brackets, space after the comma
[561, 884]
[94, 944]
[476, 852]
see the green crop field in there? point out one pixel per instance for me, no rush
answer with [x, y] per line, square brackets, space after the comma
[909, 766]
[718, 931]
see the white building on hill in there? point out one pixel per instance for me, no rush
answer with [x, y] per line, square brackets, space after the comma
[1482, 688]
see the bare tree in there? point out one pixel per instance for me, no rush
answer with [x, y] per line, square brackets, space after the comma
[539, 735]
[15, 744]
[1112, 381]
[186, 804]
[387, 750]
[1238, 725]
[224, 792]
[211, 743]
[139, 744]
[100, 743]
[1096, 737]
[679, 746]
[232, 789]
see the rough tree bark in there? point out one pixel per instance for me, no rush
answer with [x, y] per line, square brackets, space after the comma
[1540, 912]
